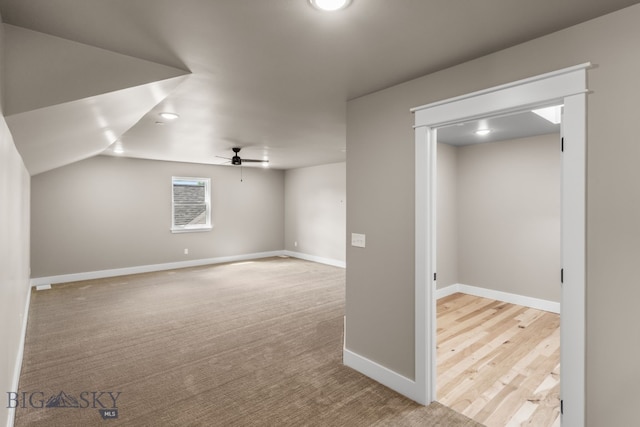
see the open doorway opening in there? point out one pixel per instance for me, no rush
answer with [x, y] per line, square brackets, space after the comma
[569, 87]
[498, 256]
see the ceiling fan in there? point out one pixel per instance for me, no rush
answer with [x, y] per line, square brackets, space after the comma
[237, 161]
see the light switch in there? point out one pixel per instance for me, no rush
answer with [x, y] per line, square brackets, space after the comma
[358, 240]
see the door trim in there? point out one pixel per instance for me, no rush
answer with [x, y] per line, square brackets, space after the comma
[568, 86]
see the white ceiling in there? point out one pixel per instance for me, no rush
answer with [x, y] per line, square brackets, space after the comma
[503, 128]
[271, 76]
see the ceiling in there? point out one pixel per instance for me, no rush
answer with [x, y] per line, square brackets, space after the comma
[271, 76]
[502, 128]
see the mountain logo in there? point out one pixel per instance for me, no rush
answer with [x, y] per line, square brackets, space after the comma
[105, 401]
[62, 400]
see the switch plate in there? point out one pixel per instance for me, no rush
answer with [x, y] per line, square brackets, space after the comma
[358, 240]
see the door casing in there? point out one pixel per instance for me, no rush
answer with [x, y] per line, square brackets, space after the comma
[569, 87]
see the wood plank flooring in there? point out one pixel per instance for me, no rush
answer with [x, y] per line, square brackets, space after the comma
[498, 363]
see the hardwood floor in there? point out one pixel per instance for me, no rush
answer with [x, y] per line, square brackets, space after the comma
[498, 363]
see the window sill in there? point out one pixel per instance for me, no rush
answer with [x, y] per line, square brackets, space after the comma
[191, 230]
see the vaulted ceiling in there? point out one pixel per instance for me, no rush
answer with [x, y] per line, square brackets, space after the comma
[88, 77]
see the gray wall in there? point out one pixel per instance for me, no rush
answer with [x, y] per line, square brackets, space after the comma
[380, 278]
[14, 255]
[315, 211]
[447, 216]
[509, 216]
[108, 212]
[498, 219]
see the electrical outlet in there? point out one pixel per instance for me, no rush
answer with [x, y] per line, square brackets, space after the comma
[295, 244]
[186, 251]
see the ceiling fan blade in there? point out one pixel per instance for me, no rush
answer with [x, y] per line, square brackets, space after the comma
[226, 158]
[254, 161]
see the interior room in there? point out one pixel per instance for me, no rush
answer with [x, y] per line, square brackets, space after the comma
[167, 168]
[498, 250]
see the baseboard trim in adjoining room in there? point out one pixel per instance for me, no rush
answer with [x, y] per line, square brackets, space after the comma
[314, 258]
[525, 301]
[379, 373]
[101, 274]
[446, 291]
[18, 364]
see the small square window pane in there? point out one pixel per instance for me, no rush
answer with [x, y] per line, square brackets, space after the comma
[190, 215]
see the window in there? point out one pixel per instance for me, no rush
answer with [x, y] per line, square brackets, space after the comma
[191, 204]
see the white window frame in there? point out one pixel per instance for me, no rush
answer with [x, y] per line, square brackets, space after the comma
[194, 227]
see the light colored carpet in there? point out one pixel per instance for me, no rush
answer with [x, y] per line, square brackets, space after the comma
[245, 344]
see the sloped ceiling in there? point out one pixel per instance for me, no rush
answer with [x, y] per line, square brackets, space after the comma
[65, 101]
[271, 76]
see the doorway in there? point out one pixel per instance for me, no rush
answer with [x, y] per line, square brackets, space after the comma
[498, 258]
[568, 87]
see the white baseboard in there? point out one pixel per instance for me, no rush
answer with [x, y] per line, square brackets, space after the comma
[408, 387]
[18, 363]
[74, 277]
[537, 303]
[379, 373]
[446, 291]
[320, 260]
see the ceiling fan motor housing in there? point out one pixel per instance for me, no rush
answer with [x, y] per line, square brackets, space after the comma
[236, 160]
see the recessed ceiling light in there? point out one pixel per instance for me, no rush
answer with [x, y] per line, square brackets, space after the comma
[330, 5]
[117, 147]
[483, 132]
[169, 116]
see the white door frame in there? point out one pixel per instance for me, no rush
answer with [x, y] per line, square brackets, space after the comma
[568, 86]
